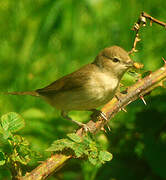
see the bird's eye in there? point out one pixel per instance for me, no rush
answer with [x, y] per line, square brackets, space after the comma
[115, 60]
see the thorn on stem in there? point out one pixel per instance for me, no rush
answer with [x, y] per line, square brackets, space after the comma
[150, 73]
[142, 98]
[164, 60]
[123, 109]
[103, 129]
[108, 127]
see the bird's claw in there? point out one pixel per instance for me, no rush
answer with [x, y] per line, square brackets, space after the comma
[98, 113]
[85, 127]
[103, 115]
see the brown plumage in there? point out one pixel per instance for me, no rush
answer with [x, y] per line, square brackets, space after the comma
[90, 86]
[31, 93]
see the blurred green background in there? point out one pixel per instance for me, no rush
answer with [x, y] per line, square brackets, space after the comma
[42, 40]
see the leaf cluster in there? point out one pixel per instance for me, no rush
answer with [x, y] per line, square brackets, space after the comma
[81, 147]
[19, 151]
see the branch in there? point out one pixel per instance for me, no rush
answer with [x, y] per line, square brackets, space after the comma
[134, 92]
[141, 22]
[45, 169]
[152, 19]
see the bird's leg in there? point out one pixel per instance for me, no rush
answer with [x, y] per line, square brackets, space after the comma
[98, 113]
[65, 115]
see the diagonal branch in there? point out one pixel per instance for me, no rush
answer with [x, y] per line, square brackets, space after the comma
[134, 92]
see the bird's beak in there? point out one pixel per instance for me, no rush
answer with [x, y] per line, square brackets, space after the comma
[130, 63]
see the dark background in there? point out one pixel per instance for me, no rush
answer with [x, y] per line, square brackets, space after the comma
[42, 40]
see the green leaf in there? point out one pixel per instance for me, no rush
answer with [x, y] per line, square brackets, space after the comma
[93, 154]
[2, 158]
[6, 134]
[93, 146]
[84, 147]
[19, 140]
[79, 150]
[87, 140]
[23, 160]
[1, 130]
[12, 122]
[74, 137]
[59, 145]
[21, 150]
[105, 156]
[92, 160]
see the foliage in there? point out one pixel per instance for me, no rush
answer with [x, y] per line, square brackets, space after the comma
[19, 152]
[42, 40]
[84, 147]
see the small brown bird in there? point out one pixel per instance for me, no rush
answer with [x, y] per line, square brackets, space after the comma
[89, 87]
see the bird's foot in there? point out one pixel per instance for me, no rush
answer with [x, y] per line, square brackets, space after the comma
[85, 127]
[98, 113]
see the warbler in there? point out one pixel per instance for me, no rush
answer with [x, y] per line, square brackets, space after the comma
[89, 87]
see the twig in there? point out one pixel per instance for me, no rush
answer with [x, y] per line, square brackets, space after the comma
[141, 22]
[144, 14]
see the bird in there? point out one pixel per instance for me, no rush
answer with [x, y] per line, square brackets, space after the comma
[89, 87]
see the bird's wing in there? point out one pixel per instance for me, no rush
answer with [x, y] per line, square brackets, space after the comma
[69, 82]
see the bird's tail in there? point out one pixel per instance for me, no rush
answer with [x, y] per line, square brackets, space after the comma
[31, 93]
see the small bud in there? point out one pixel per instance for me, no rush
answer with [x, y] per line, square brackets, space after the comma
[136, 27]
[138, 65]
[143, 20]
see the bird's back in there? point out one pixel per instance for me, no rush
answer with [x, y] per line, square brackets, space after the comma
[84, 89]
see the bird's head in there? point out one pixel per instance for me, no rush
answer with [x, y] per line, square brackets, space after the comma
[115, 60]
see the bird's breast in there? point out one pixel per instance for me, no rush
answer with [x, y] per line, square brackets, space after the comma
[102, 87]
